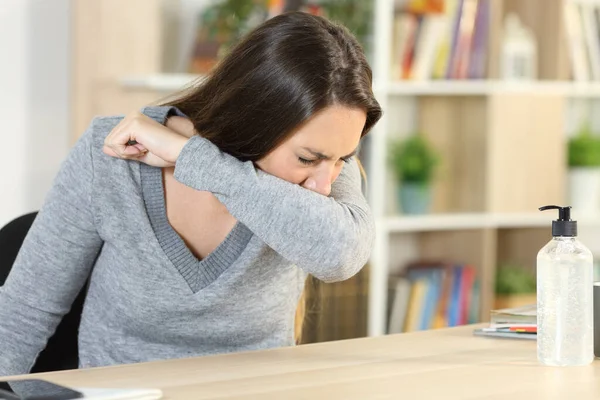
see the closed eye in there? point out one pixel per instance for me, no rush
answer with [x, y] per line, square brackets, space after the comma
[306, 161]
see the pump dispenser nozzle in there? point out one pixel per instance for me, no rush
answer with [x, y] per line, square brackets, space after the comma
[563, 226]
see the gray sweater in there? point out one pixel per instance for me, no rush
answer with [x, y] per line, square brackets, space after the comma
[149, 297]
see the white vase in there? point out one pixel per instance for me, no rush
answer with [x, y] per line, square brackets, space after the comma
[584, 190]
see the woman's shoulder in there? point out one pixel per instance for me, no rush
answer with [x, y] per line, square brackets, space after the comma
[101, 126]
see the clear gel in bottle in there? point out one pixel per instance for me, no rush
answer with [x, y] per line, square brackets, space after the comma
[565, 323]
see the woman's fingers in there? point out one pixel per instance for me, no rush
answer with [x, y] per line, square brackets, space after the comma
[109, 152]
[151, 159]
[121, 137]
[132, 151]
[128, 153]
[140, 137]
[140, 148]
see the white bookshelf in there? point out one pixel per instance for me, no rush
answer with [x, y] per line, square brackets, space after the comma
[399, 237]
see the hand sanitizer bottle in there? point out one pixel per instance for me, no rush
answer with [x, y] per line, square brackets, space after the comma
[565, 326]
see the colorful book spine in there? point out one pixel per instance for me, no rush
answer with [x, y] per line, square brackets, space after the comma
[477, 66]
[454, 41]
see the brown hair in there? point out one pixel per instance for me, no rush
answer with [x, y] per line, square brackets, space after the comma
[282, 73]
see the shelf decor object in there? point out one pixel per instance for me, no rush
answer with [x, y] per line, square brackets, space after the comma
[584, 172]
[414, 162]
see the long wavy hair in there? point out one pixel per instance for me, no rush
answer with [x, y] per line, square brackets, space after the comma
[274, 80]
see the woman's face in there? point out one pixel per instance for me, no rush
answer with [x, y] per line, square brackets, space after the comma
[313, 156]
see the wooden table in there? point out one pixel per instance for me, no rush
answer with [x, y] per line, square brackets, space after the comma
[441, 364]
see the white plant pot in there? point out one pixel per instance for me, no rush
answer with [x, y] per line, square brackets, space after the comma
[584, 190]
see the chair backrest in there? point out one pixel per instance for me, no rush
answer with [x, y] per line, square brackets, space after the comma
[11, 238]
[61, 351]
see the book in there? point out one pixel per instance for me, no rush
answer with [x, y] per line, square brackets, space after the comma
[515, 323]
[399, 306]
[432, 32]
[425, 6]
[592, 39]
[444, 49]
[404, 26]
[576, 42]
[504, 334]
[514, 316]
[479, 45]
[463, 41]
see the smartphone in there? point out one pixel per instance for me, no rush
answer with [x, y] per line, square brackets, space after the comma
[36, 389]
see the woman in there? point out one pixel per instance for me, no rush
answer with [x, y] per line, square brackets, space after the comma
[204, 245]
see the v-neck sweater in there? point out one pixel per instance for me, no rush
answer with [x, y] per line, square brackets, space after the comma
[104, 224]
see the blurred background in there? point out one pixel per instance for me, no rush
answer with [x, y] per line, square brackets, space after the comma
[490, 112]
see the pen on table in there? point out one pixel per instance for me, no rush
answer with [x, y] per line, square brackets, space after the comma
[523, 329]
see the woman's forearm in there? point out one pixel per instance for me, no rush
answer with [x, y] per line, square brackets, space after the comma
[329, 237]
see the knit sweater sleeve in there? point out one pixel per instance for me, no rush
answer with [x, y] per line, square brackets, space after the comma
[53, 264]
[329, 237]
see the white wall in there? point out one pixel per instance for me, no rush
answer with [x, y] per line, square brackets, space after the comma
[34, 100]
[13, 45]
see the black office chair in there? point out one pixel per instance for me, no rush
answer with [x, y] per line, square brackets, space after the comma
[61, 351]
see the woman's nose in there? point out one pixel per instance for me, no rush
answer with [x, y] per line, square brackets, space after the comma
[321, 181]
[318, 186]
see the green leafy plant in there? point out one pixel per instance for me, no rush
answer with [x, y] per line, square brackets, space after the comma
[584, 148]
[227, 21]
[514, 279]
[414, 160]
[356, 15]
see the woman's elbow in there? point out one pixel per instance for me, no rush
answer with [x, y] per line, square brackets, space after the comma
[348, 254]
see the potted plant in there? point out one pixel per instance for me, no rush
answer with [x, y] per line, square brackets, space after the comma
[414, 161]
[515, 286]
[584, 171]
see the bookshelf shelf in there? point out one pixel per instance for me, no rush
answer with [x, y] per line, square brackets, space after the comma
[593, 2]
[466, 221]
[167, 82]
[491, 87]
[407, 224]
[584, 90]
[159, 82]
[425, 88]
[463, 221]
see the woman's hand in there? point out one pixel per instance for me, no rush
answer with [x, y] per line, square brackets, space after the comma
[138, 137]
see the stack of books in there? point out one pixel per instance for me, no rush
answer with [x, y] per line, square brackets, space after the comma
[516, 323]
[433, 294]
